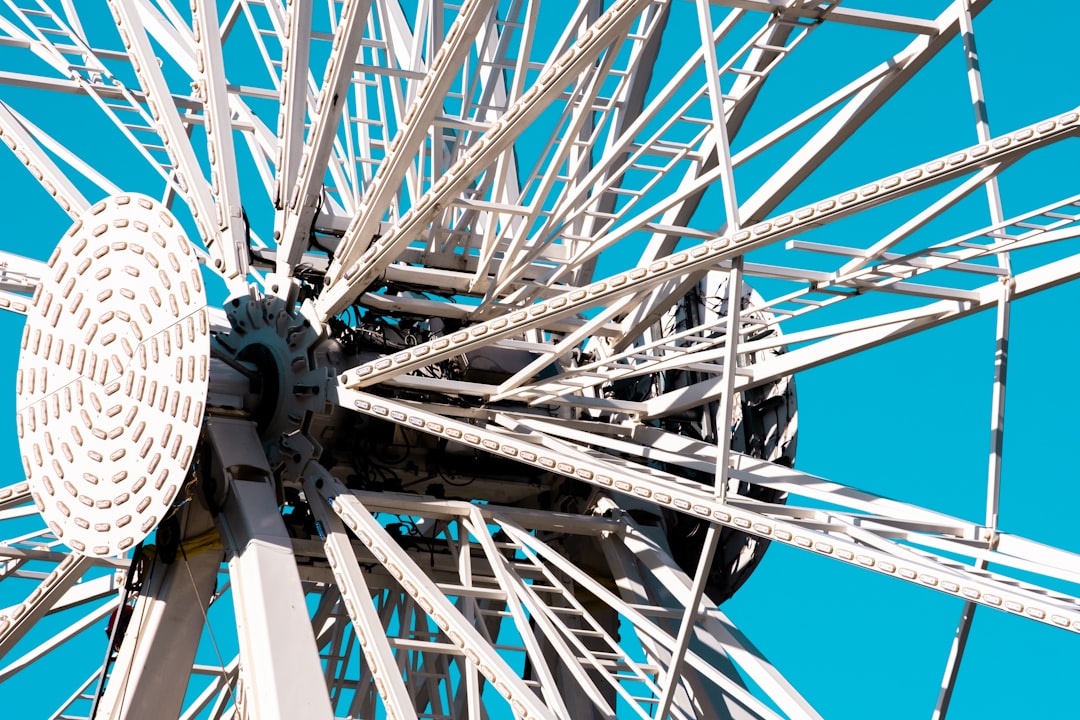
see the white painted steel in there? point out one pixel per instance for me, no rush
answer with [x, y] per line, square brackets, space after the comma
[164, 633]
[487, 414]
[113, 375]
[278, 658]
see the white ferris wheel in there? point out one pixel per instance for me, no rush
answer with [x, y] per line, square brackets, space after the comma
[458, 426]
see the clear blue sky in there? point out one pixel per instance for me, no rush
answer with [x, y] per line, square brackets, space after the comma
[909, 420]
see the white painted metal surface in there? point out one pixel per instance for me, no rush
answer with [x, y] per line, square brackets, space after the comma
[113, 375]
[488, 417]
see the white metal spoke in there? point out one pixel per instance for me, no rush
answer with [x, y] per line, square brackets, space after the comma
[637, 548]
[374, 537]
[691, 498]
[301, 205]
[346, 280]
[294, 96]
[57, 640]
[702, 256]
[355, 592]
[15, 136]
[644, 625]
[897, 326]
[189, 176]
[217, 692]
[863, 104]
[217, 120]
[498, 404]
[518, 604]
[15, 623]
[164, 632]
[428, 99]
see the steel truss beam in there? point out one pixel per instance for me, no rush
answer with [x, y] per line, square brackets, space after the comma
[282, 675]
[650, 573]
[15, 135]
[847, 542]
[841, 14]
[429, 98]
[381, 663]
[19, 619]
[537, 566]
[423, 591]
[186, 171]
[704, 256]
[877, 331]
[217, 120]
[294, 223]
[350, 276]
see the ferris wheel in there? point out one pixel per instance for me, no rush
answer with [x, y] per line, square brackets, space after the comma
[438, 360]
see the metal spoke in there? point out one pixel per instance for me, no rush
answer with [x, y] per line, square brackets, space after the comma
[301, 205]
[492, 403]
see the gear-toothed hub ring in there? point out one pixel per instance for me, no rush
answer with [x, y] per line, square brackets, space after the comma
[279, 343]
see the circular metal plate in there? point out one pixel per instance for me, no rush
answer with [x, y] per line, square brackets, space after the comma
[112, 375]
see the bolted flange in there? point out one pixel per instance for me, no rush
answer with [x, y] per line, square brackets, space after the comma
[267, 333]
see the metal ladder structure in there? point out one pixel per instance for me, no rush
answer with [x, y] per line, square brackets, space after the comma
[447, 354]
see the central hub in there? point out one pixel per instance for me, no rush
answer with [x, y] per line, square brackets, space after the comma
[289, 384]
[266, 385]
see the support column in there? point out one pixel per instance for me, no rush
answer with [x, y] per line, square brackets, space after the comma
[150, 675]
[281, 666]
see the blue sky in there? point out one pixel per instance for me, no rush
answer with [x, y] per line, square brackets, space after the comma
[909, 420]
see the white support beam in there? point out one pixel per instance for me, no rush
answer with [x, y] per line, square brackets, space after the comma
[346, 282]
[476, 525]
[88, 591]
[13, 302]
[413, 128]
[221, 687]
[218, 121]
[873, 552]
[281, 670]
[704, 256]
[849, 16]
[293, 224]
[14, 494]
[428, 596]
[17, 621]
[693, 691]
[150, 675]
[692, 610]
[631, 613]
[187, 173]
[855, 112]
[654, 445]
[16, 136]
[381, 664]
[665, 573]
[879, 331]
[61, 638]
[295, 60]
[862, 99]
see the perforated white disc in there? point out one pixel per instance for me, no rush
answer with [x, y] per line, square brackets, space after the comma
[112, 375]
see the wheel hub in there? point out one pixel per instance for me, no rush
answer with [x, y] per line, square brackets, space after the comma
[282, 346]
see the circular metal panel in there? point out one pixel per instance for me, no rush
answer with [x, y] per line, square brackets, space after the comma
[112, 375]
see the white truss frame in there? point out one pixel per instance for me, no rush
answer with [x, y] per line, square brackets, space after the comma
[462, 152]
